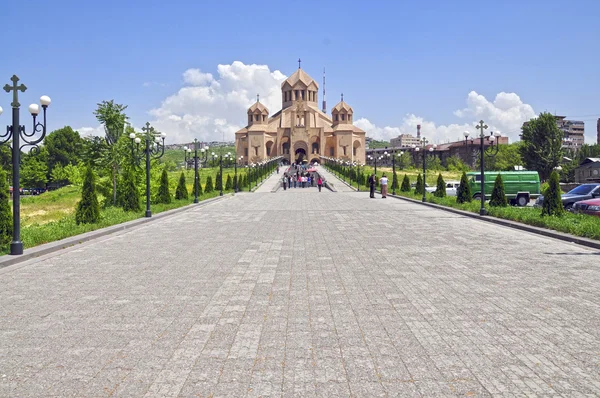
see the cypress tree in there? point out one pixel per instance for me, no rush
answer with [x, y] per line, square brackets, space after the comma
[181, 192]
[235, 182]
[218, 181]
[199, 184]
[440, 190]
[394, 182]
[128, 191]
[163, 196]
[88, 208]
[552, 202]
[6, 224]
[228, 183]
[498, 196]
[463, 193]
[419, 186]
[405, 184]
[209, 185]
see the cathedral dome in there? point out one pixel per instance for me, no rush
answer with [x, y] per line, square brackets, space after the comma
[257, 106]
[342, 106]
[299, 76]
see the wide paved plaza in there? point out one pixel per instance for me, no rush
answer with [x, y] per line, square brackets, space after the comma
[300, 293]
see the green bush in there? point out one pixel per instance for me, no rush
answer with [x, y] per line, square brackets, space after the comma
[181, 192]
[198, 185]
[440, 191]
[228, 183]
[394, 182]
[6, 224]
[128, 195]
[419, 186]
[405, 184]
[218, 182]
[463, 193]
[208, 188]
[498, 197]
[235, 182]
[164, 196]
[88, 208]
[552, 202]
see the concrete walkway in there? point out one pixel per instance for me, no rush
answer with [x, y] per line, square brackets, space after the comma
[339, 185]
[305, 294]
[271, 182]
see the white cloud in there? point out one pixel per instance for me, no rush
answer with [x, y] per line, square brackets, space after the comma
[209, 107]
[505, 115]
[91, 131]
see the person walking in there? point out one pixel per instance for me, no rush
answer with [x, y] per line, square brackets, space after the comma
[284, 182]
[372, 182]
[320, 183]
[289, 177]
[384, 185]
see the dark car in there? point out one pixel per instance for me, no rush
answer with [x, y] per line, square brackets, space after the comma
[590, 206]
[582, 192]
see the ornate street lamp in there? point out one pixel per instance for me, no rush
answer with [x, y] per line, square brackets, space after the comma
[155, 148]
[394, 170]
[196, 178]
[491, 150]
[187, 155]
[241, 160]
[14, 134]
[424, 146]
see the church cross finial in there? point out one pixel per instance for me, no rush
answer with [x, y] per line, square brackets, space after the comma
[481, 127]
[299, 61]
[342, 97]
[15, 89]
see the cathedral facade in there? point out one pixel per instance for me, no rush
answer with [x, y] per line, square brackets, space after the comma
[300, 131]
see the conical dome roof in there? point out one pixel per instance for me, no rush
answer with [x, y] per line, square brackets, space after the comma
[259, 106]
[342, 106]
[299, 76]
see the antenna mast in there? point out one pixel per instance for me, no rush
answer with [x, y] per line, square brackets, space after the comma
[324, 100]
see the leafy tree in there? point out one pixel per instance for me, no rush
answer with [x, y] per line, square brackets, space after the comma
[507, 158]
[73, 174]
[88, 209]
[218, 181]
[455, 163]
[113, 118]
[34, 170]
[440, 191]
[498, 197]
[394, 181]
[6, 159]
[58, 173]
[420, 186]
[209, 185]
[93, 150]
[433, 162]
[541, 147]
[6, 224]
[228, 183]
[129, 194]
[164, 196]
[463, 192]
[64, 147]
[405, 184]
[405, 161]
[181, 192]
[552, 205]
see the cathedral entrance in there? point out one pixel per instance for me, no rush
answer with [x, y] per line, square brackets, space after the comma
[300, 155]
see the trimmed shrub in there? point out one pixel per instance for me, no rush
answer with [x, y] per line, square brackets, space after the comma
[6, 224]
[552, 202]
[405, 184]
[218, 182]
[198, 185]
[164, 196]
[228, 183]
[463, 192]
[181, 192]
[440, 190]
[498, 197]
[88, 208]
[235, 182]
[209, 185]
[129, 195]
[394, 182]
[419, 186]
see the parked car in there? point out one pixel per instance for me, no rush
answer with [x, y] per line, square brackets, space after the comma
[590, 206]
[451, 187]
[582, 192]
[519, 186]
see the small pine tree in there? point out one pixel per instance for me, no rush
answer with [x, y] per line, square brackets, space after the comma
[209, 185]
[405, 184]
[235, 182]
[181, 192]
[6, 224]
[463, 193]
[498, 197]
[419, 186]
[552, 202]
[129, 195]
[394, 182]
[198, 185]
[228, 183]
[164, 196]
[440, 190]
[88, 208]
[218, 182]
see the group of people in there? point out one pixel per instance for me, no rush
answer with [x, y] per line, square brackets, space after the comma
[300, 179]
[383, 182]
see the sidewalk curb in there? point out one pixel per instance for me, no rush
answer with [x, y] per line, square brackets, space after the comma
[511, 224]
[47, 248]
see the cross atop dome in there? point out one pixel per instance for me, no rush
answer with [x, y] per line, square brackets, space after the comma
[299, 61]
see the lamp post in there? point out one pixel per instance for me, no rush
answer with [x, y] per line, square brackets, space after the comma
[187, 155]
[491, 150]
[16, 133]
[240, 159]
[424, 147]
[155, 148]
[394, 170]
[196, 180]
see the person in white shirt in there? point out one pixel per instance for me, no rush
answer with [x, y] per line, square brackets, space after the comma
[384, 184]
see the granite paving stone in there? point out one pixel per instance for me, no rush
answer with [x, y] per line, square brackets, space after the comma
[305, 294]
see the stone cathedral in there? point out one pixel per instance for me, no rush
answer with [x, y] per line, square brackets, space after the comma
[300, 131]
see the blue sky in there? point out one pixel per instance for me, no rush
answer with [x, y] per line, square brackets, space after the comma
[397, 63]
